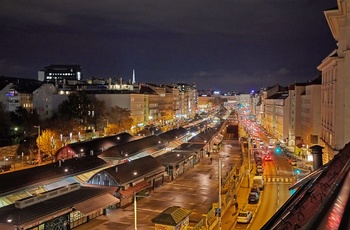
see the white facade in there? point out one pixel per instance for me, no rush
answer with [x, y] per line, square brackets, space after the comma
[335, 91]
[44, 102]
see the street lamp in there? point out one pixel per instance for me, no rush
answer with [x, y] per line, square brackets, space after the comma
[219, 205]
[135, 208]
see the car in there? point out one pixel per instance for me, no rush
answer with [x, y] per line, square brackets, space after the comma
[244, 217]
[33, 162]
[258, 160]
[293, 162]
[255, 189]
[259, 169]
[253, 198]
[5, 168]
[268, 158]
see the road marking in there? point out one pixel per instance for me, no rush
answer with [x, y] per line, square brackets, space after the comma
[279, 179]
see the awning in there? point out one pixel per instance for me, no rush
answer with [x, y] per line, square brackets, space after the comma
[96, 203]
[134, 189]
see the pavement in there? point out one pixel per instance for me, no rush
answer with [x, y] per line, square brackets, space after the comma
[195, 190]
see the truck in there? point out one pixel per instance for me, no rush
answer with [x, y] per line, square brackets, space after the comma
[258, 181]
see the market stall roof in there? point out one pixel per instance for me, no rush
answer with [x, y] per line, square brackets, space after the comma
[64, 203]
[133, 147]
[174, 157]
[128, 172]
[48, 173]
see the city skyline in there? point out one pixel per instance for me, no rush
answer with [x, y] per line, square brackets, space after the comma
[231, 46]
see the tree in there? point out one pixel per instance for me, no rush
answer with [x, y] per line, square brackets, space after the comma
[64, 126]
[5, 119]
[24, 119]
[48, 142]
[83, 109]
[76, 107]
[119, 120]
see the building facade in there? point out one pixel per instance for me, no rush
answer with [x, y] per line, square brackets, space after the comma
[60, 73]
[335, 90]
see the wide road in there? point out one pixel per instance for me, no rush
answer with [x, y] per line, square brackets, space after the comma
[278, 175]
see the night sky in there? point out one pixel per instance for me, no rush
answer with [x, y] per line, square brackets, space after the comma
[227, 45]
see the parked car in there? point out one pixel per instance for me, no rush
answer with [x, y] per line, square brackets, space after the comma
[244, 217]
[294, 162]
[33, 162]
[259, 169]
[5, 168]
[255, 189]
[253, 198]
[258, 160]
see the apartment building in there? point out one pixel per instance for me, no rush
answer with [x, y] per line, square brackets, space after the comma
[277, 115]
[188, 97]
[263, 95]
[135, 102]
[335, 89]
[17, 92]
[311, 113]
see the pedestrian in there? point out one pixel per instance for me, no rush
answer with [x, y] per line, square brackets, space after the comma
[211, 160]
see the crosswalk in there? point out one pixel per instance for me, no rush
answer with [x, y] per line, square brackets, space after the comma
[268, 179]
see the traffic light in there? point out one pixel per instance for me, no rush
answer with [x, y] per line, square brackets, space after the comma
[278, 150]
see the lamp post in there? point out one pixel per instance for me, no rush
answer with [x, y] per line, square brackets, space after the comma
[220, 184]
[135, 209]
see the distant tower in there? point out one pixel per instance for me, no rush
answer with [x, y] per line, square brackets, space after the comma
[133, 77]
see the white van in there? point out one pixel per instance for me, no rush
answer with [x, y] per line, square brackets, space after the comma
[258, 181]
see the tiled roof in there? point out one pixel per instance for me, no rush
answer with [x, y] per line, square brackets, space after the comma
[172, 216]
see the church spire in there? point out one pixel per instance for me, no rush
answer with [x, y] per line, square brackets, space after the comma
[133, 77]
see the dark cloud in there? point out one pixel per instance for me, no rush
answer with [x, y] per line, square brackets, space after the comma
[231, 45]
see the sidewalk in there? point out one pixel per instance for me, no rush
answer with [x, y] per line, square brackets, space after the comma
[228, 220]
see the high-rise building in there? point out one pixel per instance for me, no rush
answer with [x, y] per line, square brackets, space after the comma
[60, 73]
